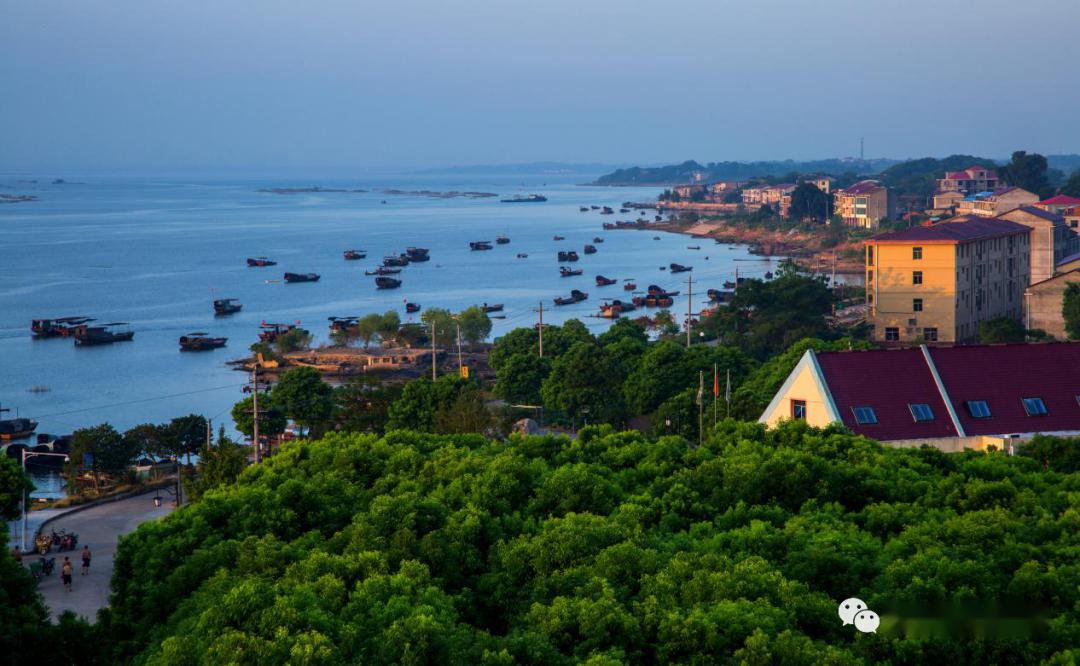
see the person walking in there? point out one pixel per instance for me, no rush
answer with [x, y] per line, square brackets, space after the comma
[85, 559]
[65, 573]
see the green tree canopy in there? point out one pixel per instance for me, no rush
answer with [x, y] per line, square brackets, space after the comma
[99, 450]
[423, 399]
[1000, 329]
[272, 420]
[14, 485]
[807, 201]
[363, 404]
[1072, 185]
[521, 377]
[475, 325]
[1028, 171]
[1070, 310]
[582, 385]
[445, 328]
[303, 396]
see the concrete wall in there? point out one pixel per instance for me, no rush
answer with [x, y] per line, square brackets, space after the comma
[1043, 304]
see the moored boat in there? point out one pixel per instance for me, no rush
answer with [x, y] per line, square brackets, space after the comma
[271, 332]
[502, 239]
[104, 334]
[575, 297]
[590, 249]
[412, 307]
[558, 238]
[200, 342]
[417, 253]
[602, 281]
[495, 307]
[606, 210]
[629, 286]
[16, 428]
[568, 255]
[227, 306]
[532, 198]
[567, 272]
[584, 209]
[522, 255]
[302, 277]
[597, 239]
[56, 328]
[383, 270]
[382, 282]
[679, 268]
[479, 245]
[353, 255]
[395, 260]
[260, 261]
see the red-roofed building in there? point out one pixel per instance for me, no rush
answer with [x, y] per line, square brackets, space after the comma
[864, 204]
[951, 398]
[992, 204]
[969, 181]
[1060, 204]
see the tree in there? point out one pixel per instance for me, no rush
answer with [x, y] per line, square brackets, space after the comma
[623, 329]
[368, 326]
[1028, 172]
[292, 340]
[303, 396]
[100, 449]
[475, 325]
[1072, 185]
[520, 378]
[1000, 329]
[466, 414]
[150, 440]
[660, 375]
[272, 419]
[1070, 310]
[363, 405]
[185, 435]
[389, 326]
[807, 201]
[445, 328]
[581, 385]
[665, 321]
[14, 486]
[218, 465]
[517, 341]
[422, 399]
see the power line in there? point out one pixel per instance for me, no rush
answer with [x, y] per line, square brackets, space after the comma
[135, 402]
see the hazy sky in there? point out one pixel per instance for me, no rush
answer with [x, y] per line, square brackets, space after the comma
[305, 83]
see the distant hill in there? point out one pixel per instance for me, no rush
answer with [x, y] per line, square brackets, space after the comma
[682, 173]
[1067, 164]
[527, 167]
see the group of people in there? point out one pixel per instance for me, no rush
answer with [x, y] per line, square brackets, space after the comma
[67, 569]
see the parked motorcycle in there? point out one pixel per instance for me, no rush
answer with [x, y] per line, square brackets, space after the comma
[43, 542]
[65, 540]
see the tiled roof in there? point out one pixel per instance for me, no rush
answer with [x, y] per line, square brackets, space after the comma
[955, 230]
[887, 381]
[862, 187]
[1037, 212]
[1061, 200]
[1069, 259]
[1002, 375]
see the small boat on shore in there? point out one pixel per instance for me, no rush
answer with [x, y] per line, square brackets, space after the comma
[353, 255]
[417, 254]
[568, 255]
[16, 428]
[502, 239]
[200, 342]
[387, 283]
[495, 307]
[532, 198]
[679, 268]
[302, 277]
[271, 332]
[62, 327]
[602, 281]
[104, 334]
[260, 262]
[590, 249]
[567, 272]
[412, 307]
[575, 297]
[227, 306]
[480, 245]
[383, 270]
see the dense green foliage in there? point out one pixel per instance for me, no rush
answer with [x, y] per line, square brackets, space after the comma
[919, 177]
[304, 397]
[612, 548]
[1001, 329]
[1070, 310]
[99, 450]
[14, 485]
[218, 465]
[807, 201]
[1028, 172]
[1071, 187]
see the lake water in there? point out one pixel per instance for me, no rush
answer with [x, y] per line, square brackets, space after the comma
[153, 252]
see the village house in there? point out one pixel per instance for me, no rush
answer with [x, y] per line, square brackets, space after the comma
[992, 204]
[766, 195]
[1051, 239]
[687, 192]
[1043, 301]
[823, 183]
[1060, 204]
[723, 187]
[864, 204]
[951, 398]
[938, 283]
[969, 181]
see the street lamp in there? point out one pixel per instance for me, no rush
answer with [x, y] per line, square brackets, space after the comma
[28, 454]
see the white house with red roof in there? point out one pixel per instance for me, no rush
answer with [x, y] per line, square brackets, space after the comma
[951, 398]
[969, 181]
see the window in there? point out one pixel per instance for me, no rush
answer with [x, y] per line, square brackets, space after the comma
[869, 276]
[979, 409]
[869, 255]
[916, 277]
[1034, 406]
[916, 252]
[892, 333]
[864, 415]
[921, 412]
[929, 334]
[916, 305]
[798, 409]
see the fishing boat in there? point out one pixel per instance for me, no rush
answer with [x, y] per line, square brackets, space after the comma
[200, 342]
[383, 270]
[496, 307]
[260, 261]
[566, 272]
[624, 210]
[590, 249]
[412, 307]
[656, 238]
[679, 268]
[271, 332]
[227, 306]
[584, 209]
[718, 296]
[522, 255]
[729, 284]
[382, 282]
[602, 281]
[693, 247]
[629, 286]
[615, 308]
[104, 334]
[417, 253]
[502, 239]
[56, 328]
[595, 207]
[480, 245]
[302, 277]
[606, 210]
[659, 218]
[597, 239]
[342, 324]
[395, 260]
[608, 226]
[568, 255]
[532, 198]
[16, 428]
[558, 238]
[353, 255]
[575, 297]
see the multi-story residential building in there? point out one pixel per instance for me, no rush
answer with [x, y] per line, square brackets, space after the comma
[1051, 239]
[1043, 301]
[864, 204]
[992, 204]
[823, 183]
[766, 195]
[938, 283]
[969, 181]
[951, 398]
[686, 192]
[723, 187]
[1060, 204]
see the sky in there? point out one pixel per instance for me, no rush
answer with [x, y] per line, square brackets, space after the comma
[131, 84]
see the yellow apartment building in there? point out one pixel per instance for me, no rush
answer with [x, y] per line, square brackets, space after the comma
[864, 204]
[938, 283]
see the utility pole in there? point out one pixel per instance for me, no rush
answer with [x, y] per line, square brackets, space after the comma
[689, 306]
[716, 391]
[700, 404]
[432, 350]
[458, 347]
[209, 429]
[541, 329]
[255, 410]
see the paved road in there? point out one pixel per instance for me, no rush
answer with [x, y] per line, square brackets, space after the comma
[99, 527]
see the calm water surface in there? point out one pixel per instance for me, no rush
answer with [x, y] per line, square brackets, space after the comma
[154, 252]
